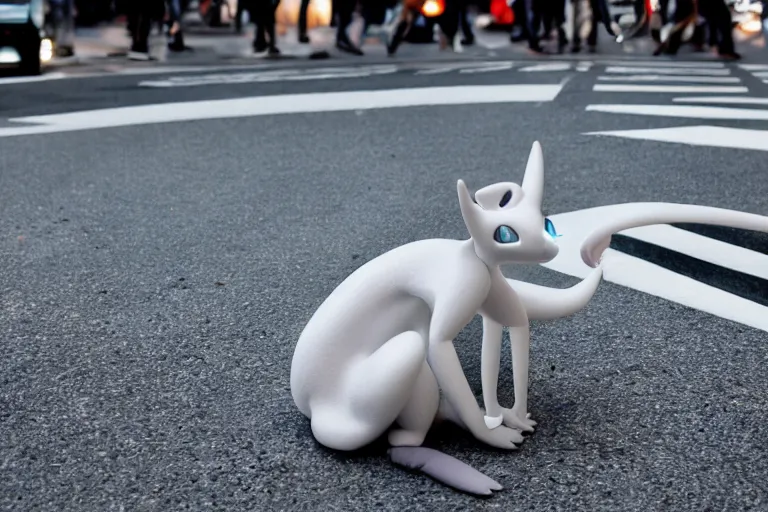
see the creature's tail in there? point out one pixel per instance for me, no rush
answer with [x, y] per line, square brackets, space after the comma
[635, 215]
[445, 469]
[543, 303]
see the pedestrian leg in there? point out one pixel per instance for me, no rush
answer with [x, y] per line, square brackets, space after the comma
[303, 37]
[345, 10]
[466, 26]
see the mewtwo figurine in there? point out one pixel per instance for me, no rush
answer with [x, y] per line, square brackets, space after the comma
[380, 348]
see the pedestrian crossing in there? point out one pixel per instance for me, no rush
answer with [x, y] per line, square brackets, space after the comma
[696, 86]
[670, 78]
[759, 71]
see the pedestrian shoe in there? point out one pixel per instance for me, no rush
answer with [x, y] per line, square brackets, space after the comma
[303, 38]
[729, 56]
[468, 41]
[346, 45]
[139, 56]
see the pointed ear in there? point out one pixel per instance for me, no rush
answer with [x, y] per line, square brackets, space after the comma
[469, 209]
[533, 181]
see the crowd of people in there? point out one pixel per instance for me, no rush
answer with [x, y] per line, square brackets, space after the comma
[533, 21]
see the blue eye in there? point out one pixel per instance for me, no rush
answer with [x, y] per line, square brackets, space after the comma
[505, 235]
[549, 227]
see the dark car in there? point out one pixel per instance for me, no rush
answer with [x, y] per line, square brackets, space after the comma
[37, 30]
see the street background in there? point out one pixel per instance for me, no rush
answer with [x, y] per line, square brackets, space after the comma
[162, 253]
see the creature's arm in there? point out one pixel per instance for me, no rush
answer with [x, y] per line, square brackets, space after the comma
[544, 303]
[489, 370]
[504, 307]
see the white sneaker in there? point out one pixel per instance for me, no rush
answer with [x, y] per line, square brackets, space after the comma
[140, 56]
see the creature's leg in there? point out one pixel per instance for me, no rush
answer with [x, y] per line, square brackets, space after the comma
[419, 413]
[371, 396]
[520, 339]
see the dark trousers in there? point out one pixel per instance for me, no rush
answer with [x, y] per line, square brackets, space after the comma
[344, 10]
[466, 28]
[263, 15]
[532, 22]
[140, 16]
[719, 20]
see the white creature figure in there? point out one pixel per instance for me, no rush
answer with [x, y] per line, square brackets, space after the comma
[380, 348]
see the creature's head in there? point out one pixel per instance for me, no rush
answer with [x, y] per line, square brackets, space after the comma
[505, 219]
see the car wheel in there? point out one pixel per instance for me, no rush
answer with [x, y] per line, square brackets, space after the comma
[30, 59]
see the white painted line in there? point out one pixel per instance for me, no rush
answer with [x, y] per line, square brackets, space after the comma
[550, 66]
[437, 71]
[583, 66]
[704, 248]
[713, 136]
[26, 79]
[712, 89]
[638, 274]
[664, 64]
[754, 67]
[722, 99]
[667, 71]
[761, 74]
[271, 76]
[684, 111]
[671, 78]
[489, 69]
[282, 104]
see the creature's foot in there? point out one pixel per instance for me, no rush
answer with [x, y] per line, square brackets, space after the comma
[445, 469]
[515, 419]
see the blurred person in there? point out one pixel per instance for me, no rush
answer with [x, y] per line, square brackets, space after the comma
[344, 11]
[262, 13]
[466, 26]
[448, 22]
[720, 23]
[176, 10]
[141, 14]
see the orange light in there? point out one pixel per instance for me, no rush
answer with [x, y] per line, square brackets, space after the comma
[432, 8]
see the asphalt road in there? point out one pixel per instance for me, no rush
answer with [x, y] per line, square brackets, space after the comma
[155, 279]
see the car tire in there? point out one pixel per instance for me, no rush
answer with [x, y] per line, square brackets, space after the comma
[30, 59]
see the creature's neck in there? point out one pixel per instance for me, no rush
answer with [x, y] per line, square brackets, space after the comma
[469, 246]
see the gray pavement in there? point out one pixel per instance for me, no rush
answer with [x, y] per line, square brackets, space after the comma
[155, 280]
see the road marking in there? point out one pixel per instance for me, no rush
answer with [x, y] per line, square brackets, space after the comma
[282, 104]
[488, 69]
[641, 275]
[550, 66]
[671, 78]
[442, 69]
[664, 64]
[667, 71]
[271, 76]
[712, 136]
[761, 74]
[583, 66]
[26, 79]
[704, 248]
[669, 88]
[754, 67]
[686, 111]
[722, 99]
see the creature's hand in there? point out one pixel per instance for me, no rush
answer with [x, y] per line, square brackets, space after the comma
[517, 419]
[500, 437]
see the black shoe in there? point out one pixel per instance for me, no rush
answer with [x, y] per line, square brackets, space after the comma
[303, 38]
[273, 51]
[346, 45]
[468, 41]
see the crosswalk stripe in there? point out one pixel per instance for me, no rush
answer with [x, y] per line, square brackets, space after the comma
[670, 88]
[684, 111]
[667, 71]
[671, 78]
[722, 99]
[664, 64]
